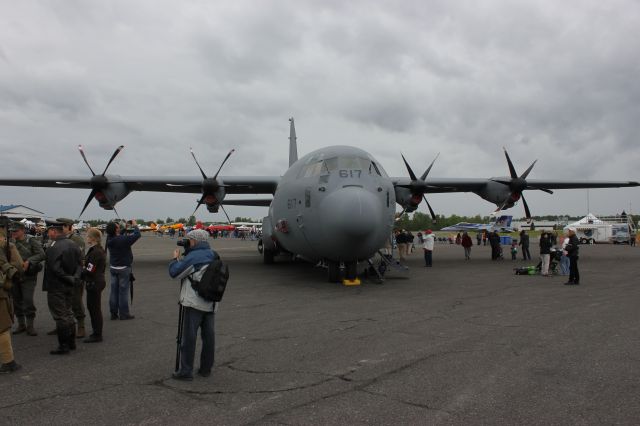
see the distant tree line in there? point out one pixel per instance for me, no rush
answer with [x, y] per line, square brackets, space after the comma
[189, 222]
[416, 221]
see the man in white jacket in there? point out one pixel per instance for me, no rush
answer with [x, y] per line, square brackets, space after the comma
[198, 313]
[429, 244]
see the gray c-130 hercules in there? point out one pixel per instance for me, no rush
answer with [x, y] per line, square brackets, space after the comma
[335, 204]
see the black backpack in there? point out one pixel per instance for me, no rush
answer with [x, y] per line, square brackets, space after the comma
[213, 281]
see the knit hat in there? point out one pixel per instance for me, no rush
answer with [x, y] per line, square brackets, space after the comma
[198, 235]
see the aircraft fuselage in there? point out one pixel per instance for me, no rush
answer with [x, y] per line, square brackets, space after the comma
[336, 203]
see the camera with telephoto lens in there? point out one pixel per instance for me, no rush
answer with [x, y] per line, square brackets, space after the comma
[185, 244]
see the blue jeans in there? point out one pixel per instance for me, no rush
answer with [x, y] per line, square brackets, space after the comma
[119, 296]
[194, 319]
[564, 265]
[428, 257]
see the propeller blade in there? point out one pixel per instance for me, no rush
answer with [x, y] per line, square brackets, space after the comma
[113, 156]
[433, 215]
[526, 208]
[512, 169]
[426, 173]
[224, 161]
[85, 159]
[200, 202]
[225, 213]
[86, 204]
[411, 174]
[116, 212]
[526, 172]
[204, 176]
[501, 206]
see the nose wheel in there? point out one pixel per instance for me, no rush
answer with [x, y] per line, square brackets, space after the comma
[334, 273]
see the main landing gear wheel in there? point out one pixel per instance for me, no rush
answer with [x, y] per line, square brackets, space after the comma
[268, 256]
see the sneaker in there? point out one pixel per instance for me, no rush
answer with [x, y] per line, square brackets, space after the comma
[114, 316]
[183, 377]
[10, 367]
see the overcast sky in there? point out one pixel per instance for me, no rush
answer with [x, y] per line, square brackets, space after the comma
[555, 81]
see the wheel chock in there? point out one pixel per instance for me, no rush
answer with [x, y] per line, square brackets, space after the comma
[355, 281]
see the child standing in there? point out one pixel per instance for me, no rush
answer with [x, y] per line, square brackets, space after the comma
[514, 250]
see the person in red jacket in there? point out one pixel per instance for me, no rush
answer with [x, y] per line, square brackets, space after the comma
[466, 243]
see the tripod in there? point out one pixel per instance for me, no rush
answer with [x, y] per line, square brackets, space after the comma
[179, 336]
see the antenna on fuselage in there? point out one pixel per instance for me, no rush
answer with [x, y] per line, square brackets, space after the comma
[293, 145]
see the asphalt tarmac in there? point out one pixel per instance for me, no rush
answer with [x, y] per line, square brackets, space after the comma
[464, 342]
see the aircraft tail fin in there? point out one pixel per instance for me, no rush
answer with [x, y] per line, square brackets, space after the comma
[293, 143]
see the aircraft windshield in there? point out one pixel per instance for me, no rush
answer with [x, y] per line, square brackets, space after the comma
[326, 166]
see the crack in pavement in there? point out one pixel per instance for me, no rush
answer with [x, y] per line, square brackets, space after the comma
[402, 401]
[482, 324]
[362, 385]
[63, 395]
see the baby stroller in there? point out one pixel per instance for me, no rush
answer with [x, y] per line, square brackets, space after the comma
[554, 258]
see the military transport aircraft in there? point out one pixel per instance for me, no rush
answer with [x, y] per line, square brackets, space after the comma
[335, 204]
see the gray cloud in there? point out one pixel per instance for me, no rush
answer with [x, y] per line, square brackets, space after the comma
[548, 80]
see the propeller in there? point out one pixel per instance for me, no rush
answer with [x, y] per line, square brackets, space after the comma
[418, 186]
[517, 184]
[210, 185]
[98, 182]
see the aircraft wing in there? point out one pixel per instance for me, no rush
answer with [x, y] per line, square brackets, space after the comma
[438, 185]
[575, 184]
[432, 186]
[232, 184]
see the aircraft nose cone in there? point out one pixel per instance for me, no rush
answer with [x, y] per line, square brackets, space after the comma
[351, 211]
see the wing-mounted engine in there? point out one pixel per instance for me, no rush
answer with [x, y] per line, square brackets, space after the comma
[108, 190]
[505, 192]
[212, 188]
[408, 201]
[410, 196]
[114, 192]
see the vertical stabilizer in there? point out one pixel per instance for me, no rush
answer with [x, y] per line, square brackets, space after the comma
[293, 144]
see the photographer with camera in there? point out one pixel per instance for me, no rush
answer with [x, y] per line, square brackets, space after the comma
[32, 254]
[121, 259]
[11, 272]
[195, 312]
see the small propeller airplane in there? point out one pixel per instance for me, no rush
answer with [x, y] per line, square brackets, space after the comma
[501, 224]
[335, 204]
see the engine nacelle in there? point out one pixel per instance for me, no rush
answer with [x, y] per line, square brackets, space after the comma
[407, 200]
[497, 193]
[212, 194]
[111, 194]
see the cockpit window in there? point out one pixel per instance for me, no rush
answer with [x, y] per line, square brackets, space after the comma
[311, 169]
[321, 167]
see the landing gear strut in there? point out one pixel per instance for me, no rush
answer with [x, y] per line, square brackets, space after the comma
[333, 269]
